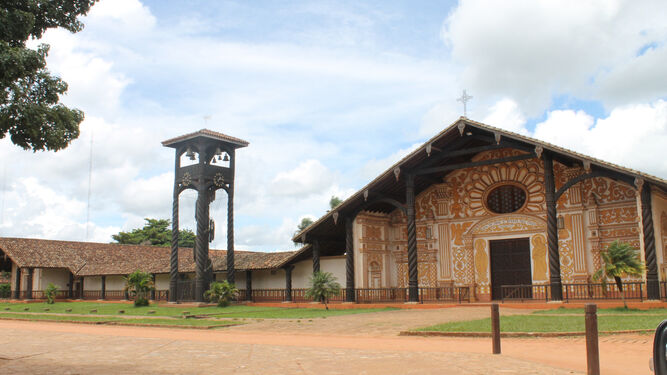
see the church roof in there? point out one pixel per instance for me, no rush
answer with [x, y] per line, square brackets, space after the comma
[90, 258]
[206, 133]
[463, 133]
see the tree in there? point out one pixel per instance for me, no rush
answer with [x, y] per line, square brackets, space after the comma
[221, 293]
[323, 285]
[156, 232]
[139, 283]
[305, 222]
[618, 260]
[50, 293]
[334, 202]
[29, 95]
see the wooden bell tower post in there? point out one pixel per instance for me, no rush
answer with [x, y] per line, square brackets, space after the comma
[214, 157]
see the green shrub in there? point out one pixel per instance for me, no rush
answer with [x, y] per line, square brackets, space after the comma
[139, 284]
[5, 290]
[221, 293]
[50, 293]
[323, 286]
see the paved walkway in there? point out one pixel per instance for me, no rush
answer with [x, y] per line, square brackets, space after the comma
[352, 344]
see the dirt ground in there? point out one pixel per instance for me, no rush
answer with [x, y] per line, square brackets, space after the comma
[351, 344]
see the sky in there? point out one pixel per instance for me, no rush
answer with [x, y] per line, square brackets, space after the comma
[329, 95]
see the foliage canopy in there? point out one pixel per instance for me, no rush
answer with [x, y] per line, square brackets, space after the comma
[30, 109]
[156, 232]
[221, 292]
[322, 286]
[139, 283]
[620, 259]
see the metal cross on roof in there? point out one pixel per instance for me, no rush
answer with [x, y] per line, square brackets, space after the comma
[464, 99]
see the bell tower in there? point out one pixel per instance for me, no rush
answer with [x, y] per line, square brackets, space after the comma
[211, 159]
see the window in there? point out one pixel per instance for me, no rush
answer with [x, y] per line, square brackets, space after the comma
[505, 199]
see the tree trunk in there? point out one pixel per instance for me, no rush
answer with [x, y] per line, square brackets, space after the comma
[619, 284]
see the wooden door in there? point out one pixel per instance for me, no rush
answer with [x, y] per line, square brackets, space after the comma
[510, 264]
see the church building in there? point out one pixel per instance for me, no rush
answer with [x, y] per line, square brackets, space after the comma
[481, 207]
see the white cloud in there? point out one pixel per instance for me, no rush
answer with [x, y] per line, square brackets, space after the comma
[632, 136]
[34, 210]
[309, 177]
[534, 50]
[507, 115]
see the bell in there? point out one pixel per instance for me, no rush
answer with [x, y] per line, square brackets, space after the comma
[190, 154]
[219, 157]
[226, 158]
[213, 160]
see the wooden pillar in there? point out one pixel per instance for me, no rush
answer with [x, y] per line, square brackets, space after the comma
[28, 284]
[175, 231]
[413, 262]
[70, 286]
[592, 349]
[495, 328]
[552, 228]
[288, 282]
[248, 285]
[349, 261]
[126, 294]
[81, 290]
[153, 290]
[104, 287]
[316, 256]
[230, 220]
[201, 242]
[652, 285]
[17, 283]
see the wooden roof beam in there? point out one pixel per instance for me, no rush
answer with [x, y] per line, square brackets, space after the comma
[450, 167]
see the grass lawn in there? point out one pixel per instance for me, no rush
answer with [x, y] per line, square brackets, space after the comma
[538, 323]
[615, 310]
[166, 321]
[236, 311]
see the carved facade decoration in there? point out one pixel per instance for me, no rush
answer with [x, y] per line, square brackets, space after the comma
[539, 256]
[454, 225]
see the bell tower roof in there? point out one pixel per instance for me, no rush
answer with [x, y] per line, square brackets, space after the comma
[206, 134]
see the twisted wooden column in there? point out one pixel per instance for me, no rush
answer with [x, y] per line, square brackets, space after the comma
[552, 229]
[316, 256]
[413, 261]
[349, 262]
[173, 261]
[288, 283]
[175, 231]
[201, 244]
[652, 285]
[230, 234]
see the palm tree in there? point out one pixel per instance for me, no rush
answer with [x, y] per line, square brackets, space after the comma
[618, 260]
[139, 283]
[322, 286]
[221, 293]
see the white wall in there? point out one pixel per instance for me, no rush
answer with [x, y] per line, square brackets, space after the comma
[94, 283]
[162, 281]
[114, 282]
[275, 279]
[59, 277]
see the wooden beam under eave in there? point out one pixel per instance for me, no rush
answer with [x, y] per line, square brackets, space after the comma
[450, 167]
